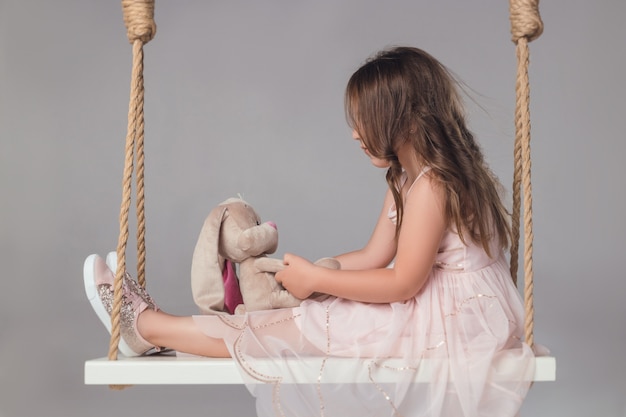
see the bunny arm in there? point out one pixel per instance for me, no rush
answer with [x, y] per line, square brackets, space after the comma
[259, 288]
[272, 265]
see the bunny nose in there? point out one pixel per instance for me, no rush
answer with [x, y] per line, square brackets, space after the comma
[272, 224]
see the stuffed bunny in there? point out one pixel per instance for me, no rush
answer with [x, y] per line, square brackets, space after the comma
[233, 234]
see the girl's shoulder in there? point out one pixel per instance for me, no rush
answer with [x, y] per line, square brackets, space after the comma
[392, 213]
[419, 176]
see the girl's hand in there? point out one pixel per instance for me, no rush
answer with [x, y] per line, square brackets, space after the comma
[298, 276]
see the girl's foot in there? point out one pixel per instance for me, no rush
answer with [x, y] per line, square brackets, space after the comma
[99, 282]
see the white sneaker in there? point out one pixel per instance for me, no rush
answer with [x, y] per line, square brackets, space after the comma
[99, 281]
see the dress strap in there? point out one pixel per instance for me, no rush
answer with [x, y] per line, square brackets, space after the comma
[424, 170]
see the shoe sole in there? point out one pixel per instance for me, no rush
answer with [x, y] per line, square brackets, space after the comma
[91, 290]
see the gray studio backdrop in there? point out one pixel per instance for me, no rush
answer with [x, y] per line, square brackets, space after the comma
[246, 97]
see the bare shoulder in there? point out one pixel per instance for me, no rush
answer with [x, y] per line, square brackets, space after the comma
[426, 191]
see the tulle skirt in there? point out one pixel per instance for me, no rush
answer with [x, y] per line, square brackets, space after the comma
[454, 349]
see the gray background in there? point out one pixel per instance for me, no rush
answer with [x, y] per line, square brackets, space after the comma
[246, 97]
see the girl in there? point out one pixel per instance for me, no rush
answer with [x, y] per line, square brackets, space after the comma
[447, 295]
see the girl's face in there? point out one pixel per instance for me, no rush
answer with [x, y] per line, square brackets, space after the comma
[377, 162]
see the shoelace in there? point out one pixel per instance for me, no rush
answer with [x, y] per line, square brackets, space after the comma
[132, 287]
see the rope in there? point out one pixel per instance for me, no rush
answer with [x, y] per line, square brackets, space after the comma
[526, 25]
[138, 18]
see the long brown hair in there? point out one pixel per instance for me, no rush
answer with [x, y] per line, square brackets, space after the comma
[404, 94]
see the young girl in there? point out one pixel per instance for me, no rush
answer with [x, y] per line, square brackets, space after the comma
[447, 301]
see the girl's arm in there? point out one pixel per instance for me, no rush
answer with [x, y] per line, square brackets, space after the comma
[422, 229]
[380, 248]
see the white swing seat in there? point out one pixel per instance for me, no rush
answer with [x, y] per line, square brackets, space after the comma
[169, 369]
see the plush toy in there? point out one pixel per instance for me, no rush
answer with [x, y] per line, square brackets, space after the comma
[233, 234]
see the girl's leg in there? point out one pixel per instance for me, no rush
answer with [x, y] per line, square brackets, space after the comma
[178, 333]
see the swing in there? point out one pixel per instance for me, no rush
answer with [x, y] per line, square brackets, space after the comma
[526, 25]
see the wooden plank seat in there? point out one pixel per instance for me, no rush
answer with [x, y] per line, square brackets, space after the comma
[168, 368]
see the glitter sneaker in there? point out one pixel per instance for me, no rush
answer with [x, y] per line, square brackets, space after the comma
[99, 282]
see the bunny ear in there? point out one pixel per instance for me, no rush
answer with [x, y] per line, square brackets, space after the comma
[207, 283]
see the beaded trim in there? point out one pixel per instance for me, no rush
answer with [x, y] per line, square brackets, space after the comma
[324, 360]
[240, 357]
[467, 300]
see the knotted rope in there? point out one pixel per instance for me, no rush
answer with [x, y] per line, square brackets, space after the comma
[526, 25]
[139, 21]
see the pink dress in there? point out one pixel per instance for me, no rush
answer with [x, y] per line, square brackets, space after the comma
[463, 325]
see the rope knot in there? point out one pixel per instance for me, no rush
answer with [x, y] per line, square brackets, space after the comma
[525, 19]
[139, 20]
